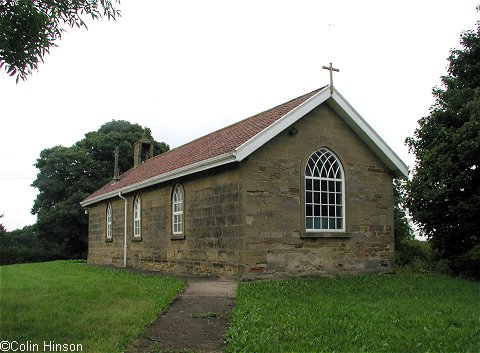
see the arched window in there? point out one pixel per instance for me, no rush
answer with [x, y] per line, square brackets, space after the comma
[109, 221]
[324, 193]
[137, 212]
[177, 210]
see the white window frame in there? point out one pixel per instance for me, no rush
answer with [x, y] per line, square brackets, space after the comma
[109, 221]
[178, 210]
[137, 217]
[320, 201]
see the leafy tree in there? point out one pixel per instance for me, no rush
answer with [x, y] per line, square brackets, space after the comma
[67, 175]
[444, 193]
[2, 227]
[402, 229]
[29, 28]
[409, 252]
[23, 245]
[98, 145]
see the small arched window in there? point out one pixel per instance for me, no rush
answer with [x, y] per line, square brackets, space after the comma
[109, 221]
[137, 213]
[324, 192]
[177, 210]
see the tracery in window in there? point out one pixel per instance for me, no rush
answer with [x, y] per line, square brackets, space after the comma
[137, 212]
[324, 192]
[109, 221]
[177, 210]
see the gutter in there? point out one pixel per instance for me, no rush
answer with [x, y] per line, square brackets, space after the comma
[177, 173]
[125, 230]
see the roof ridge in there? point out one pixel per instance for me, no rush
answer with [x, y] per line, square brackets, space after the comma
[204, 151]
[250, 117]
[224, 128]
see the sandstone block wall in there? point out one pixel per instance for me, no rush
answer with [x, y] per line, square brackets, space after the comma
[246, 220]
[211, 240]
[272, 204]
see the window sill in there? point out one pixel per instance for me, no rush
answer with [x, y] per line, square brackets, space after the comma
[108, 240]
[135, 239]
[312, 235]
[177, 236]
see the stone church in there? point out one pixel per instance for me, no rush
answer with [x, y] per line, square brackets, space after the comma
[304, 188]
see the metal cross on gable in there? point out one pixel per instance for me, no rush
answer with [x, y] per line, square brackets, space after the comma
[331, 69]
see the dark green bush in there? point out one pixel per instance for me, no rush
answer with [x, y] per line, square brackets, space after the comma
[20, 246]
[468, 264]
[417, 256]
[413, 254]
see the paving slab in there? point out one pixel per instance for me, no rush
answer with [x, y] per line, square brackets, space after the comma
[195, 322]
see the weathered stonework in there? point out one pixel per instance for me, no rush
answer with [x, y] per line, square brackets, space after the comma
[209, 245]
[246, 220]
[272, 204]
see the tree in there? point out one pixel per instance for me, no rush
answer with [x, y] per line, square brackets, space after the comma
[29, 28]
[2, 227]
[23, 245]
[67, 175]
[444, 193]
[402, 229]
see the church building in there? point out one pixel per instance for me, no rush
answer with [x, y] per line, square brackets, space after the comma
[305, 188]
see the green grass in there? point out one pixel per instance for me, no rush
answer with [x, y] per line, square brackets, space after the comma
[398, 313]
[70, 302]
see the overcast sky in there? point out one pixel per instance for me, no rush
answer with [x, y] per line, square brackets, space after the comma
[186, 68]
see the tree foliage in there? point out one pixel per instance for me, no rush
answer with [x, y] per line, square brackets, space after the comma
[29, 28]
[67, 175]
[409, 252]
[2, 227]
[402, 229]
[444, 193]
[23, 245]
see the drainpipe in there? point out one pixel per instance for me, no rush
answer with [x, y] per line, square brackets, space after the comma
[125, 231]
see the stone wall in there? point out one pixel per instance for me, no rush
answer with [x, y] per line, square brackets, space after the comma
[211, 240]
[247, 220]
[272, 203]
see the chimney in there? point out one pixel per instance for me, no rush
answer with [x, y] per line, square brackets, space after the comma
[143, 150]
[116, 172]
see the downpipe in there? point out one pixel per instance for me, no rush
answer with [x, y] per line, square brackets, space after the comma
[125, 246]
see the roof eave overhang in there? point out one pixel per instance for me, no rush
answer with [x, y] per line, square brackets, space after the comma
[177, 173]
[368, 135]
[341, 106]
[281, 124]
[335, 100]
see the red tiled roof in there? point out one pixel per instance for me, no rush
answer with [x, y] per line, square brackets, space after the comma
[215, 144]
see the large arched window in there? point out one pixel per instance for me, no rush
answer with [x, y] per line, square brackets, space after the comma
[109, 221]
[137, 214]
[324, 193]
[177, 210]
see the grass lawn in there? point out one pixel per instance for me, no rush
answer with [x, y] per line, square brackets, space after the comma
[70, 302]
[397, 313]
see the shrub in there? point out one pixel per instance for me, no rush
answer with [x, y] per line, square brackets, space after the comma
[23, 245]
[468, 264]
[414, 254]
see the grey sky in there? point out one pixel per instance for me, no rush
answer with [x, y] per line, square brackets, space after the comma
[186, 68]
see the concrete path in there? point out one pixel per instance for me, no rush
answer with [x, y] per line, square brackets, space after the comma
[195, 322]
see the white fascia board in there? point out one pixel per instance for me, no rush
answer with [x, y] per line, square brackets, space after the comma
[281, 124]
[177, 173]
[368, 134]
[346, 111]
